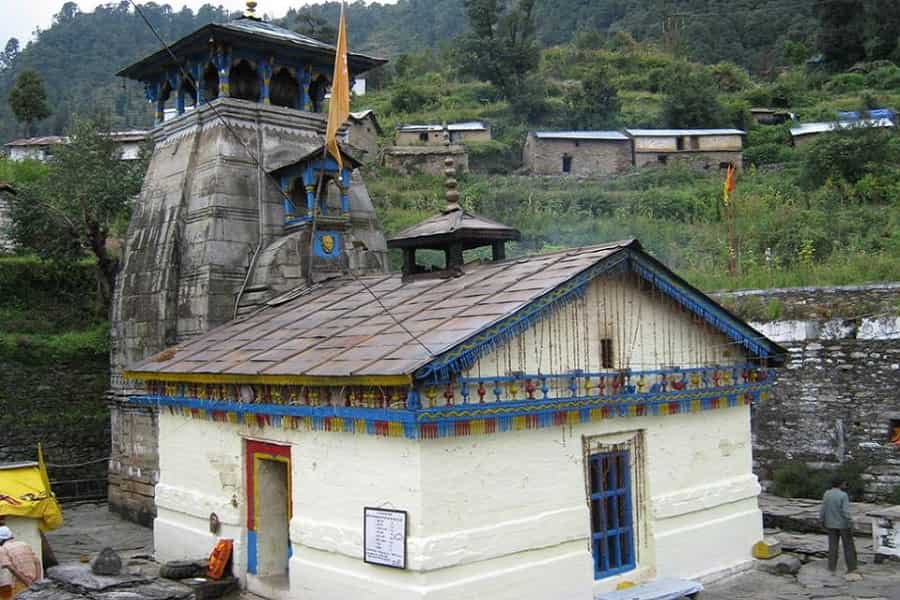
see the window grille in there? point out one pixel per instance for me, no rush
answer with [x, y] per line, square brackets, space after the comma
[612, 520]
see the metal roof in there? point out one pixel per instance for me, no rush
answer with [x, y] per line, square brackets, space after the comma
[682, 132]
[453, 224]
[467, 126]
[251, 30]
[47, 140]
[581, 135]
[823, 127]
[337, 328]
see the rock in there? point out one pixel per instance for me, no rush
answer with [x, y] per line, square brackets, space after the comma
[783, 564]
[78, 578]
[106, 563]
[46, 590]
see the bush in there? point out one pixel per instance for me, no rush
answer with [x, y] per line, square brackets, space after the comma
[409, 99]
[885, 78]
[849, 155]
[769, 154]
[730, 77]
[493, 157]
[798, 480]
[846, 82]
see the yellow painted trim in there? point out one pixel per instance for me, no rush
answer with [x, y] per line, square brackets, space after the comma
[323, 380]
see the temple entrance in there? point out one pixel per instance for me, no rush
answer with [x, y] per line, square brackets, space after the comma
[268, 518]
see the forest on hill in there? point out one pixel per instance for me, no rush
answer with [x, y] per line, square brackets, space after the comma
[78, 55]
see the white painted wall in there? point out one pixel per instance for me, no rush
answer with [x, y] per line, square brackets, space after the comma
[502, 516]
[25, 529]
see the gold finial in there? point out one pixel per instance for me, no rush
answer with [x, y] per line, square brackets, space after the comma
[250, 13]
[451, 194]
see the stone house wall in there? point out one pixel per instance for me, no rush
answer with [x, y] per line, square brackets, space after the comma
[416, 159]
[590, 158]
[837, 397]
[703, 159]
[362, 134]
[436, 137]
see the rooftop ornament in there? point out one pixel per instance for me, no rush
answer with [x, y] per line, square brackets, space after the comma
[452, 231]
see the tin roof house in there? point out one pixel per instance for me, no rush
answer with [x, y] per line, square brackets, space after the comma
[531, 427]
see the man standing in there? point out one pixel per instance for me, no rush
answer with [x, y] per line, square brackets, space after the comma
[835, 516]
[19, 565]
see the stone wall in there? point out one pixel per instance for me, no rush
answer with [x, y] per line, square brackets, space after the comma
[702, 159]
[425, 159]
[60, 404]
[835, 400]
[590, 158]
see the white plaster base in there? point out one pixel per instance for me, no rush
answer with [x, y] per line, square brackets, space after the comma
[559, 573]
[719, 540]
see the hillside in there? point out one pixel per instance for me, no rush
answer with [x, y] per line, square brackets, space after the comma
[79, 54]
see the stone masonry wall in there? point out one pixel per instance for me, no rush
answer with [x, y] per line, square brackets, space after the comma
[838, 395]
[590, 158]
[60, 404]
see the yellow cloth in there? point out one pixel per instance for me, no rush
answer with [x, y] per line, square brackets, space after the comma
[25, 492]
[339, 104]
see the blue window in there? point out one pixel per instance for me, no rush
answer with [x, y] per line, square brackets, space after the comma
[612, 522]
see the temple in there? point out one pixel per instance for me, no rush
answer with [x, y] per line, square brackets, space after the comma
[481, 424]
[239, 204]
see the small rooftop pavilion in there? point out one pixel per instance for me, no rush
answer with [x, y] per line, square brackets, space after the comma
[452, 231]
[247, 59]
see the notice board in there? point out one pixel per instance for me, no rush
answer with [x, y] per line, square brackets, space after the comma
[384, 537]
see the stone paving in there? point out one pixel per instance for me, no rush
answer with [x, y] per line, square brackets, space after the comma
[812, 582]
[89, 528]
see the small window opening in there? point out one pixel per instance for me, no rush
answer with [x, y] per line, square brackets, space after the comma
[662, 159]
[423, 137]
[317, 91]
[679, 143]
[244, 81]
[284, 90]
[723, 166]
[566, 163]
[298, 197]
[210, 83]
[895, 432]
[606, 353]
[695, 142]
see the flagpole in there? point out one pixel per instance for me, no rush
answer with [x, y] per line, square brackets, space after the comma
[337, 106]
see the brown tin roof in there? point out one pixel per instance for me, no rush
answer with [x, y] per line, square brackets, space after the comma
[337, 329]
[453, 223]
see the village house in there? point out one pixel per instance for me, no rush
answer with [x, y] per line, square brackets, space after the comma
[804, 133]
[41, 148]
[708, 148]
[579, 153]
[363, 131]
[455, 133]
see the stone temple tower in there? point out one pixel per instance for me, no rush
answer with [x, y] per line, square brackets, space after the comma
[239, 204]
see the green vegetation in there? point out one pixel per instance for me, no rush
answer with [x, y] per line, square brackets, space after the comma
[28, 100]
[75, 207]
[797, 480]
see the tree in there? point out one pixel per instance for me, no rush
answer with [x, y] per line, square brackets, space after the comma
[501, 47]
[690, 99]
[73, 209]
[841, 30]
[28, 100]
[595, 104]
[9, 54]
[315, 27]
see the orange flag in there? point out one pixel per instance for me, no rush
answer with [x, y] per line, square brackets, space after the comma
[730, 182]
[339, 104]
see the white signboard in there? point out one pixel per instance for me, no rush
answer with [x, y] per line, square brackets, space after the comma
[384, 537]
